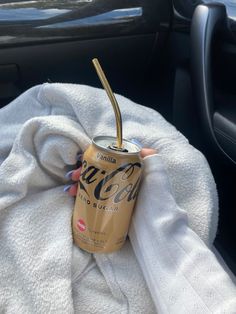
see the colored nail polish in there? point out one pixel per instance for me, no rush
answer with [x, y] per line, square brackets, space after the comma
[67, 187]
[68, 175]
[79, 157]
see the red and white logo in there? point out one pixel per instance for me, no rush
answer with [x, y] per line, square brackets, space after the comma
[81, 225]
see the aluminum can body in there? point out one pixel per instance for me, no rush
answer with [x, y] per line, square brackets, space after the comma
[107, 191]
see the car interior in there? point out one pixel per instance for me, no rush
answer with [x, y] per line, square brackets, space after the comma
[177, 57]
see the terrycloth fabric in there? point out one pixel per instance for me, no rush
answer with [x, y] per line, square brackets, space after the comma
[41, 132]
[182, 274]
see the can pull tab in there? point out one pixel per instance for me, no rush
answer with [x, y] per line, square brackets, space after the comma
[114, 147]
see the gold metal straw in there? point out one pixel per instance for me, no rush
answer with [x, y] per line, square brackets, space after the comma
[113, 100]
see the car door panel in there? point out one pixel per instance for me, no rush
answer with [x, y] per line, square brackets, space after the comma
[203, 47]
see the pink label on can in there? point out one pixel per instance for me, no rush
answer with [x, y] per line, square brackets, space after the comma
[81, 225]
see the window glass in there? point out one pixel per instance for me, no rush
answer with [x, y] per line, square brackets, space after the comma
[230, 6]
[37, 9]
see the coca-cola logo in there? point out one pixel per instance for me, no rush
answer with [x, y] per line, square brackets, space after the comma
[120, 184]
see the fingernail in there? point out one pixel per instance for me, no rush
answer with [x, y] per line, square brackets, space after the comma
[136, 142]
[68, 175]
[79, 157]
[67, 187]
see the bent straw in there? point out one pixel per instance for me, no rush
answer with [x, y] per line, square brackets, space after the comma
[113, 101]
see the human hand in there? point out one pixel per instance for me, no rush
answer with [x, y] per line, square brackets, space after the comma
[75, 174]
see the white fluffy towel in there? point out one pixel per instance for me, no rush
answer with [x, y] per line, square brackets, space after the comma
[40, 270]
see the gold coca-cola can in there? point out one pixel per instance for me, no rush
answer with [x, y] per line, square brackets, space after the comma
[107, 191]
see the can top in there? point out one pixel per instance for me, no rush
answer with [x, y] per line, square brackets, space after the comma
[106, 142]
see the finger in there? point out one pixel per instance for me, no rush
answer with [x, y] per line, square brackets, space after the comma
[148, 152]
[76, 174]
[73, 190]
[73, 174]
